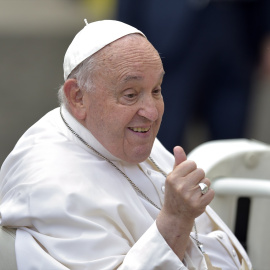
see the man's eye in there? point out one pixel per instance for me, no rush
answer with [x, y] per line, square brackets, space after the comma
[130, 96]
[157, 91]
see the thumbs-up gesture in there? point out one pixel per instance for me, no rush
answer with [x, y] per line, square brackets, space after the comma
[183, 201]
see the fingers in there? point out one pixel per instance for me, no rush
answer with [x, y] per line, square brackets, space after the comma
[183, 195]
[185, 166]
[189, 170]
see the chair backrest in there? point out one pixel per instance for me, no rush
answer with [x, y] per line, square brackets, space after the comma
[7, 249]
[240, 169]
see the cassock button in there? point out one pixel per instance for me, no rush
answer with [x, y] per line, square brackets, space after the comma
[148, 172]
[163, 189]
[233, 253]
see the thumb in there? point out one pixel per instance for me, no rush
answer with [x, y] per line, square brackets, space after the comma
[179, 155]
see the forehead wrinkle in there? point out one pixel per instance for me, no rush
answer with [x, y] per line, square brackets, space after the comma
[132, 78]
[127, 57]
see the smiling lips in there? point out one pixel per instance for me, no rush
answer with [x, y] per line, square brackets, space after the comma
[140, 130]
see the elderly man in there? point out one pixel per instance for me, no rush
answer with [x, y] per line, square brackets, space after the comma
[90, 187]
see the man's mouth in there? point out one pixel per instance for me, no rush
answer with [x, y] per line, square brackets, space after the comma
[140, 130]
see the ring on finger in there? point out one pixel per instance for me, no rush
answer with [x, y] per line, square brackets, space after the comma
[204, 188]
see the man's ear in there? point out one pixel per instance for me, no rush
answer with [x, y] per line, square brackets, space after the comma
[75, 100]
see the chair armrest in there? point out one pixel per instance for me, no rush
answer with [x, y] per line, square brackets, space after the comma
[242, 187]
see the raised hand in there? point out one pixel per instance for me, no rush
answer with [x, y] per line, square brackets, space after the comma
[183, 201]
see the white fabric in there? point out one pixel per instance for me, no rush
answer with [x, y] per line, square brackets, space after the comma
[75, 211]
[93, 37]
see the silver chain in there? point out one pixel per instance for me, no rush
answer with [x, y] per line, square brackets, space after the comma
[110, 162]
[199, 244]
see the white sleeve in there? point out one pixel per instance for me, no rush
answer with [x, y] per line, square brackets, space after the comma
[151, 252]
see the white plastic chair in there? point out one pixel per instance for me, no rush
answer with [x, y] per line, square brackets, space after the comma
[240, 168]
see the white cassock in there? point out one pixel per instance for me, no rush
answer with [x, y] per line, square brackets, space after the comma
[73, 210]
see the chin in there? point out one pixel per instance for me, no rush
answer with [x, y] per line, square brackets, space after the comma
[139, 155]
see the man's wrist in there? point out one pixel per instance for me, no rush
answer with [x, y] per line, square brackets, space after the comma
[175, 230]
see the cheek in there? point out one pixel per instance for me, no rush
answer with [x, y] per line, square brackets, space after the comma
[118, 122]
[113, 121]
[97, 114]
[120, 119]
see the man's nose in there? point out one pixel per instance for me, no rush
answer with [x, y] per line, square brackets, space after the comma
[148, 109]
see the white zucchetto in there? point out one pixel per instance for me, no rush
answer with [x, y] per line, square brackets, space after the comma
[93, 37]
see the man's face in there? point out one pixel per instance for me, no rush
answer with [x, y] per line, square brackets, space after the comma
[125, 110]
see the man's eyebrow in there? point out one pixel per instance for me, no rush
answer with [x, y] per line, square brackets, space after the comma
[135, 77]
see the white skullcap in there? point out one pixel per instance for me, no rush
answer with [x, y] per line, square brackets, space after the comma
[93, 37]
